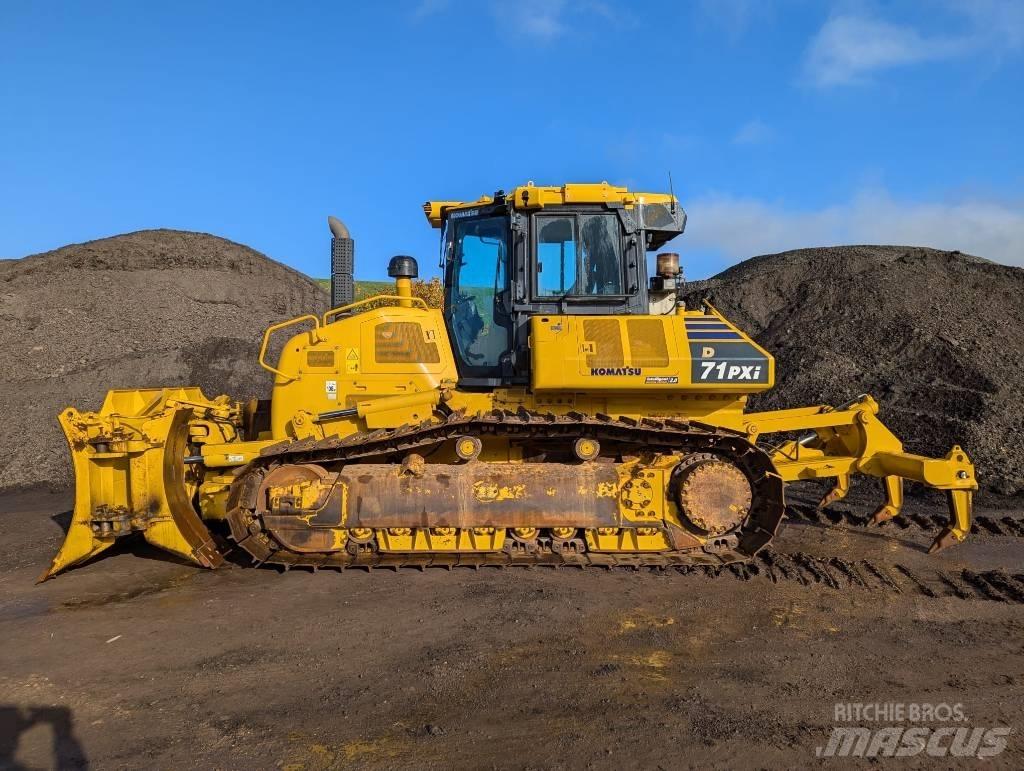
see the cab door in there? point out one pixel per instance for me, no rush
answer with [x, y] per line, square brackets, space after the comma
[477, 287]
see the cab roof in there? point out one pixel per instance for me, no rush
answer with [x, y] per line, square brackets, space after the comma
[530, 197]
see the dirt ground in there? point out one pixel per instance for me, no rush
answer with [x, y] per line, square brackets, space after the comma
[136, 660]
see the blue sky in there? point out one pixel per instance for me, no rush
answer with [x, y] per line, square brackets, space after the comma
[784, 124]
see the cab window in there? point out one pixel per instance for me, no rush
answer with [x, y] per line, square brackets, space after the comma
[479, 253]
[578, 255]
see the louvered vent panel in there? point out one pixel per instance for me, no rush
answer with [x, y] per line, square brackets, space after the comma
[647, 344]
[401, 342]
[606, 335]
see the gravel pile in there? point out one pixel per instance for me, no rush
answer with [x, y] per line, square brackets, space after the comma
[152, 308]
[936, 337]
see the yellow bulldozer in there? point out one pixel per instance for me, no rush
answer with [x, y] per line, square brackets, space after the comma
[561, 408]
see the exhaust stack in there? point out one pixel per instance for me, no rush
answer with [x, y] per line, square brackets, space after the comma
[343, 250]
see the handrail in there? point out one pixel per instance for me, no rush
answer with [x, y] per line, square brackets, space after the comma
[358, 303]
[281, 325]
[714, 310]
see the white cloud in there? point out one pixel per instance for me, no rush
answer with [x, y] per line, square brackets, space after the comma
[754, 132]
[740, 228]
[849, 47]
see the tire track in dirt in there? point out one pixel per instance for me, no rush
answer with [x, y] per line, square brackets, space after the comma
[982, 525]
[838, 574]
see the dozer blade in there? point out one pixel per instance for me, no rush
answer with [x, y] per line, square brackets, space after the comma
[130, 477]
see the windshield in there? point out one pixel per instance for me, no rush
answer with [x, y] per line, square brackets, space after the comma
[479, 269]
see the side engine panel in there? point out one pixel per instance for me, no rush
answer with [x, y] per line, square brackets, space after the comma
[679, 352]
[382, 352]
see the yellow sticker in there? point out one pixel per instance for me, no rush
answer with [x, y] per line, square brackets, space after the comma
[351, 361]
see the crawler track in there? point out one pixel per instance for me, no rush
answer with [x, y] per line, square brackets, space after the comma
[622, 436]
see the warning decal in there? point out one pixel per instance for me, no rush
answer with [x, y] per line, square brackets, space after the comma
[351, 361]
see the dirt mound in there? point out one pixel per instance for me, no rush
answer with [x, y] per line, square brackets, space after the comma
[934, 336]
[152, 308]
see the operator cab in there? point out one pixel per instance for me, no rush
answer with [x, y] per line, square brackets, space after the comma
[575, 249]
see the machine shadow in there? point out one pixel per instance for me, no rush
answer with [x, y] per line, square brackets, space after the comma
[66, 749]
[135, 545]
